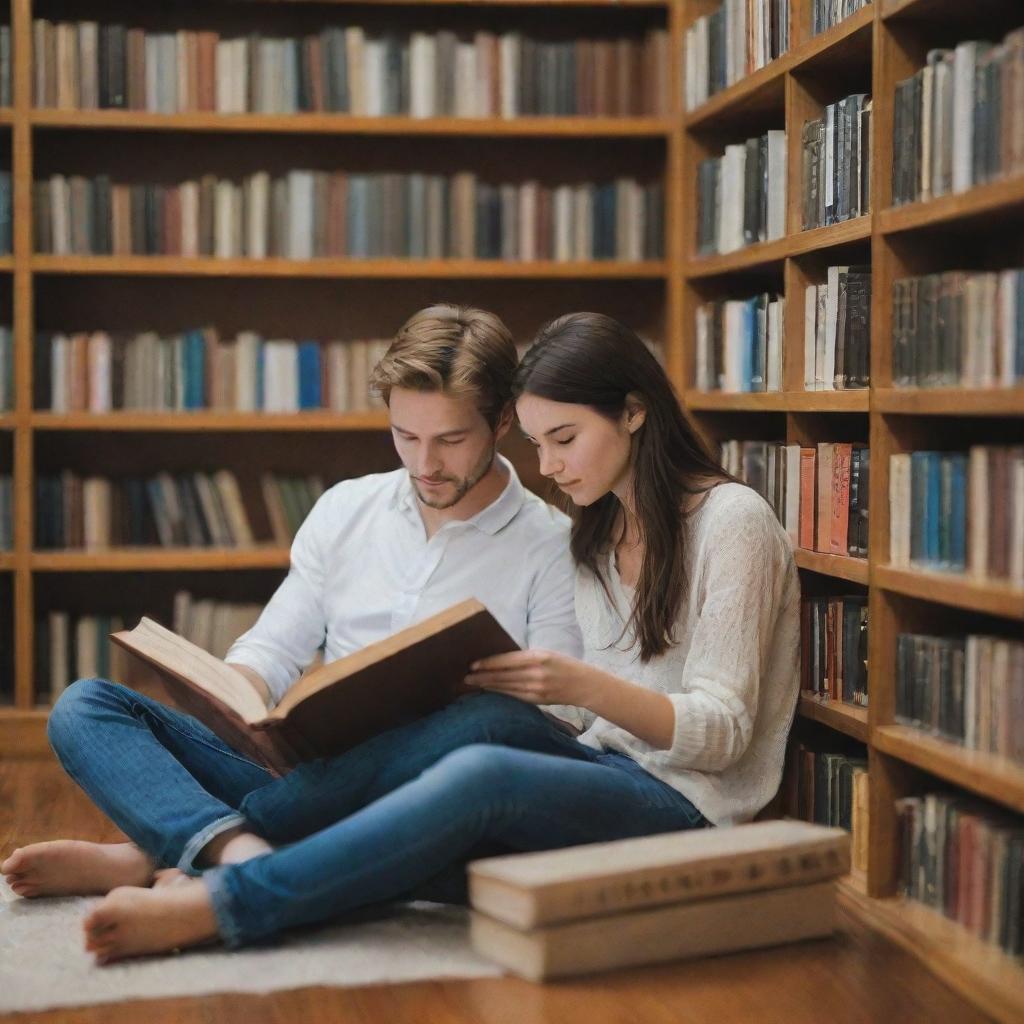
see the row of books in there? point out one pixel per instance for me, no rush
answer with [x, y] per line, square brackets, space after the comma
[834, 648]
[958, 329]
[959, 512]
[741, 195]
[311, 214]
[197, 369]
[739, 344]
[70, 647]
[965, 860]
[826, 13]
[820, 495]
[182, 510]
[6, 224]
[837, 330]
[958, 121]
[837, 163]
[6, 512]
[345, 69]
[966, 689]
[732, 42]
[6, 63]
[6, 369]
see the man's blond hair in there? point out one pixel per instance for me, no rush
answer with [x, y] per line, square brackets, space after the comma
[462, 351]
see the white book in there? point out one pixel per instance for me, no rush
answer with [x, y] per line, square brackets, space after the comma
[263, 87]
[222, 228]
[690, 68]
[582, 223]
[1007, 332]
[87, 648]
[562, 209]
[964, 62]
[167, 75]
[528, 220]
[702, 341]
[374, 71]
[972, 659]
[819, 338]
[927, 123]
[734, 346]
[100, 357]
[184, 54]
[223, 76]
[792, 497]
[465, 79]
[240, 76]
[60, 214]
[509, 48]
[96, 506]
[422, 59]
[281, 376]
[810, 334]
[60, 390]
[188, 193]
[355, 45]
[88, 64]
[830, 160]
[289, 75]
[257, 210]
[773, 360]
[703, 29]
[247, 351]
[985, 339]
[942, 114]
[300, 215]
[977, 512]
[776, 226]
[730, 236]
[899, 511]
[828, 372]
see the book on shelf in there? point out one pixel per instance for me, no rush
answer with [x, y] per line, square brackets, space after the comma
[958, 329]
[738, 344]
[959, 512]
[834, 648]
[830, 787]
[819, 494]
[836, 163]
[528, 890]
[182, 510]
[336, 706]
[837, 330]
[349, 69]
[6, 512]
[71, 646]
[965, 859]
[741, 195]
[733, 41]
[958, 120]
[289, 500]
[6, 63]
[965, 689]
[6, 369]
[357, 216]
[6, 213]
[196, 369]
[826, 14]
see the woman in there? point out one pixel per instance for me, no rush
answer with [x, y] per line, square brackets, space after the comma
[689, 605]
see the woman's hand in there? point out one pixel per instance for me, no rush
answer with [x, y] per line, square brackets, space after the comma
[537, 677]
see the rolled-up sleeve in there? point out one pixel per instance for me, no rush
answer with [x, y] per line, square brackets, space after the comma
[293, 624]
[717, 700]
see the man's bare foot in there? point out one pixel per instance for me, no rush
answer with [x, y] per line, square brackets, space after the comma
[70, 867]
[169, 876]
[134, 922]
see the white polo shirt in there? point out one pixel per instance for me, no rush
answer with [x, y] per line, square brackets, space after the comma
[362, 568]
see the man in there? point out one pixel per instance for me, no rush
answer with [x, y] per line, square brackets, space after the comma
[375, 555]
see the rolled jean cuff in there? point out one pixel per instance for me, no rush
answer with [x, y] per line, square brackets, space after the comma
[217, 888]
[196, 844]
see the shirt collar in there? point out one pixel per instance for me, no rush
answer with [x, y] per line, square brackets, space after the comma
[490, 520]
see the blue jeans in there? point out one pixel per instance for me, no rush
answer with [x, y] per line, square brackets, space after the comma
[396, 817]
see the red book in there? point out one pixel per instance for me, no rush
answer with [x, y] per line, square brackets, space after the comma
[807, 471]
[839, 533]
[823, 532]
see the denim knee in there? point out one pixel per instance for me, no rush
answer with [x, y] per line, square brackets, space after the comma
[81, 697]
[479, 772]
[497, 713]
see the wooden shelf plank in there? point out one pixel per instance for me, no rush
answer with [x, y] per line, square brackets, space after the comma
[777, 401]
[322, 420]
[950, 401]
[207, 266]
[6, 263]
[6, 115]
[988, 775]
[845, 718]
[764, 254]
[347, 124]
[984, 202]
[843, 567]
[991, 598]
[159, 559]
[7, 561]
[838, 44]
[8, 422]
[982, 973]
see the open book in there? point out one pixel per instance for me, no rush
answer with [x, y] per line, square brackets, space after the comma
[336, 706]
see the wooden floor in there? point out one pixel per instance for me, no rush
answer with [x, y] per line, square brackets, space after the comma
[856, 977]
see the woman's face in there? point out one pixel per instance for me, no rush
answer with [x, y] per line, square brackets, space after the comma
[584, 452]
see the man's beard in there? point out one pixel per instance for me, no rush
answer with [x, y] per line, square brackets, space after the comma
[463, 486]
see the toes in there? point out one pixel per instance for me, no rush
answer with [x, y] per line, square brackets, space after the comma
[12, 862]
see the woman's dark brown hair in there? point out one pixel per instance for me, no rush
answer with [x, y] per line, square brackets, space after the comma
[590, 359]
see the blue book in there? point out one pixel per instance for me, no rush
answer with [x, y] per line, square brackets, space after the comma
[749, 344]
[918, 507]
[958, 512]
[945, 509]
[933, 508]
[309, 375]
[5, 212]
[195, 369]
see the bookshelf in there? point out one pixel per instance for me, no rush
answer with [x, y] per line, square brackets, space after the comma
[977, 229]
[869, 52]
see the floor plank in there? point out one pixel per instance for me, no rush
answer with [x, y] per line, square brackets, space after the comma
[856, 977]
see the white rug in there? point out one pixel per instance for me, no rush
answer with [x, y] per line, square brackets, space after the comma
[43, 964]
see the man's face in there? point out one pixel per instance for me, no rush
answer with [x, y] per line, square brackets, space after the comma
[444, 442]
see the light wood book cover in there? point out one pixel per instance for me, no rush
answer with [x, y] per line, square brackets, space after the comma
[653, 936]
[531, 889]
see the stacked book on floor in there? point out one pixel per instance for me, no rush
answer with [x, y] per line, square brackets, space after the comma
[657, 898]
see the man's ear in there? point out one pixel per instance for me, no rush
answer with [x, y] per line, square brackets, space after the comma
[636, 412]
[505, 421]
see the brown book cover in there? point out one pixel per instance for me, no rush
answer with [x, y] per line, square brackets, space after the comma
[839, 533]
[135, 47]
[999, 498]
[336, 706]
[823, 516]
[808, 458]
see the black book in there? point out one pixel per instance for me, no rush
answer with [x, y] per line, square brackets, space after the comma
[751, 197]
[102, 240]
[42, 359]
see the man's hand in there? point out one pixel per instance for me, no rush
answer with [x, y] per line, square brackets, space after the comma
[536, 677]
[258, 682]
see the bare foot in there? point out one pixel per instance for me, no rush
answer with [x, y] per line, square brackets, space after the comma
[133, 922]
[69, 867]
[169, 876]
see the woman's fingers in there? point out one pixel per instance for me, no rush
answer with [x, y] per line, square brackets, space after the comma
[514, 659]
